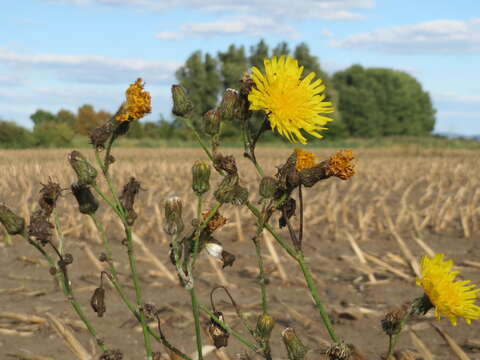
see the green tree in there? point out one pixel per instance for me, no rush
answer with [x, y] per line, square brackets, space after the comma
[383, 102]
[258, 53]
[13, 136]
[53, 134]
[233, 64]
[41, 116]
[281, 49]
[201, 78]
[67, 117]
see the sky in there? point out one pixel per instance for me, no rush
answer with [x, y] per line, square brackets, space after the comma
[58, 54]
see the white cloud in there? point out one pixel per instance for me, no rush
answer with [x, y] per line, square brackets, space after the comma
[437, 36]
[247, 26]
[90, 68]
[299, 9]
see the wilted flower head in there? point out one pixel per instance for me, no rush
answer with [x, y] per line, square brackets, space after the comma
[138, 103]
[291, 103]
[341, 164]
[304, 159]
[449, 297]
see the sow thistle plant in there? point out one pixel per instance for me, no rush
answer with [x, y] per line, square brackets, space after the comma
[292, 106]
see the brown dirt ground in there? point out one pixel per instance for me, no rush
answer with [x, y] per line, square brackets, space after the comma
[355, 304]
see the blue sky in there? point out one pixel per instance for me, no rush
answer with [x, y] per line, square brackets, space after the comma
[64, 53]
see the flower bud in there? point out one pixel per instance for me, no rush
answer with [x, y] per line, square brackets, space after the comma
[173, 216]
[86, 173]
[227, 107]
[182, 105]
[265, 325]
[230, 192]
[13, 223]
[87, 204]
[211, 122]
[200, 177]
[268, 187]
[296, 350]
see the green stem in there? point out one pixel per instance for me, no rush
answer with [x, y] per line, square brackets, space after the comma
[62, 278]
[189, 124]
[196, 317]
[263, 283]
[117, 207]
[58, 230]
[235, 334]
[106, 199]
[138, 292]
[318, 303]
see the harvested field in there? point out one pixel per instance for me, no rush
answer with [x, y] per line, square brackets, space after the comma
[363, 239]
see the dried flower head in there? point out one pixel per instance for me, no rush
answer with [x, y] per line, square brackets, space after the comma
[339, 351]
[291, 103]
[216, 222]
[392, 322]
[217, 332]
[138, 103]
[341, 165]
[129, 192]
[304, 159]
[449, 297]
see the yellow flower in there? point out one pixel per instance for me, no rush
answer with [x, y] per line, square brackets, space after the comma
[304, 159]
[290, 103]
[449, 297]
[138, 103]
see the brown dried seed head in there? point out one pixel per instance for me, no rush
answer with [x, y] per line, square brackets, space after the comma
[111, 355]
[218, 334]
[129, 192]
[49, 194]
[392, 322]
[339, 351]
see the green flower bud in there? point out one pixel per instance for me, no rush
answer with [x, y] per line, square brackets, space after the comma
[13, 223]
[230, 192]
[86, 173]
[87, 204]
[173, 216]
[228, 105]
[182, 105]
[268, 187]
[296, 350]
[265, 325]
[211, 122]
[200, 177]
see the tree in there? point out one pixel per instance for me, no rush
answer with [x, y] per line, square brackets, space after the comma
[258, 53]
[41, 116]
[281, 49]
[383, 102]
[88, 119]
[53, 134]
[13, 136]
[67, 117]
[202, 81]
[233, 64]
[336, 128]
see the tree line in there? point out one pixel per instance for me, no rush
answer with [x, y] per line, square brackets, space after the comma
[369, 102]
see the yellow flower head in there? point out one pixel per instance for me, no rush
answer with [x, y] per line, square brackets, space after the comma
[449, 297]
[304, 159]
[290, 103]
[138, 103]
